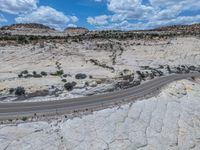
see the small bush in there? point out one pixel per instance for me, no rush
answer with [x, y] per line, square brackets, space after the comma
[34, 72]
[86, 84]
[65, 75]
[69, 86]
[43, 73]
[20, 91]
[81, 76]
[24, 118]
[37, 76]
[20, 75]
[24, 72]
[64, 80]
[28, 76]
[58, 73]
[74, 83]
[11, 90]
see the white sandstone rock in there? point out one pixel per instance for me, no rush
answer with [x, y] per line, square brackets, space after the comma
[167, 121]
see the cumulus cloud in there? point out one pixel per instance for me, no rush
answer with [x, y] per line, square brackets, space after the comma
[129, 9]
[148, 15]
[125, 25]
[98, 20]
[72, 25]
[47, 16]
[17, 6]
[74, 19]
[28, 11]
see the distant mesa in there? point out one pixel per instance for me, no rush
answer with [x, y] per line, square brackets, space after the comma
[26, 26]
[76, 30]
[28, 29]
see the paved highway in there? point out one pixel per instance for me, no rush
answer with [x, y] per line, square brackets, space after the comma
[20, 109]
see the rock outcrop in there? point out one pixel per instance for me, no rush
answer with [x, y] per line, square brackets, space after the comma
[76, 30]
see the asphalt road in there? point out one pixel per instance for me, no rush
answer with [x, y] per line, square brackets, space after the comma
[21, 109]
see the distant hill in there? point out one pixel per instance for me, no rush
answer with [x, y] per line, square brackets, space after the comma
[29, 29]
[40, 29]
[192, 28]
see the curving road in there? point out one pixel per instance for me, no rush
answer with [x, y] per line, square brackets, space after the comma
[15, 110]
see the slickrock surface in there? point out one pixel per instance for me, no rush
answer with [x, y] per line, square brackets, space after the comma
[103, 61]
[168, 121]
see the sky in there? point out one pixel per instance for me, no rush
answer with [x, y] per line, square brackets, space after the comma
[100, 14]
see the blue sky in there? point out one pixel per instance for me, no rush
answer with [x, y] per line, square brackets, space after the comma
[100, 14]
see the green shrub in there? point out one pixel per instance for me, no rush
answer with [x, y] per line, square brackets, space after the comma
[19, 91]
[58, 73]
[64, 80]
[24, 118]
[22, 40]
[43, 73]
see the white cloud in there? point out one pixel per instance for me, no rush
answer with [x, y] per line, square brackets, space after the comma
[170, 9]
[72, 25]
[125, 25]
[98, 20]
[27, 11]
[47, 16]
[184, 20]
[148, 15]
[17, 6]
[74, 19]
[129, 9]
